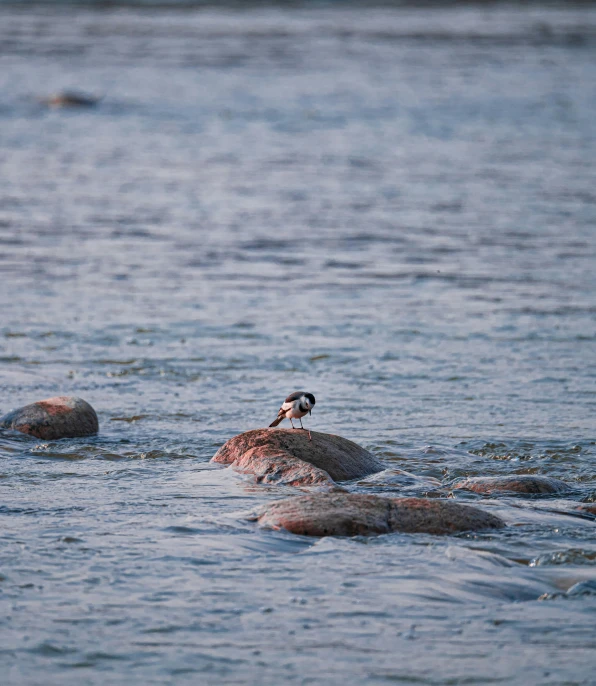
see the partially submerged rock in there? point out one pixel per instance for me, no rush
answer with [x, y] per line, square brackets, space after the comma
[70, 99]
[287, 456]
[588, 508]
[515, 483]
[53, 418]
[356, 514]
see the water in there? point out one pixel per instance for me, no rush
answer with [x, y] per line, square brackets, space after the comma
[393, 208]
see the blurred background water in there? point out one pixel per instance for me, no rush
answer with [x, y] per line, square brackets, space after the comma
[390, 206]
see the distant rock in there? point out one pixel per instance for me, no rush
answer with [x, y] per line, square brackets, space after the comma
[516, 483]
[288, 457]
[357, 514]
[53, 418]
[70, 99]
[589, 508]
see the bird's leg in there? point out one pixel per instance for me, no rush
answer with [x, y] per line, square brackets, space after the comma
[302, 427]
[292, 423]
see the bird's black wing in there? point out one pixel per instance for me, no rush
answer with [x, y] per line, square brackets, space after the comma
[294, 396]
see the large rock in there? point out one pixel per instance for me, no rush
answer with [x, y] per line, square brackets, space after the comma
[60, 417]
[354, 514]
[516, 483]
[287, 456]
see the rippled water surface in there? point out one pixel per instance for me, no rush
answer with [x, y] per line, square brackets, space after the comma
[392, 208]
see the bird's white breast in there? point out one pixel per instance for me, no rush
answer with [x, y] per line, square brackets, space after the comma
[293, 410]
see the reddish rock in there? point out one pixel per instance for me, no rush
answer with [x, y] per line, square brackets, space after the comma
[69, 99]
[53, 418]
[590, 508]
[516, 483]
[281, 468]
[287, 456]
[357, 514]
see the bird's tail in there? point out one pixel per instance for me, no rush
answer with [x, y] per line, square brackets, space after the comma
[280, 418]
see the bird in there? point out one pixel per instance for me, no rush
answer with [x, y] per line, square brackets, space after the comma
[295, 406]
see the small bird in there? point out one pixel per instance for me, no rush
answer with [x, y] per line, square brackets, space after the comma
[295, 406]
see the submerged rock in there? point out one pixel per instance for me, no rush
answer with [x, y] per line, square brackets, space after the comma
[587, 587]
[287, 456]
[516, 483]
[357, 514]
[53, 418]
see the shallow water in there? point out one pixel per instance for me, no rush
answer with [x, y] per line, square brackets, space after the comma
[392, 208]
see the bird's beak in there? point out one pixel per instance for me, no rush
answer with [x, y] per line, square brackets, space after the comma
[309, 412]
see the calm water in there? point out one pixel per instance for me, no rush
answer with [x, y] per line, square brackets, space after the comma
[392, 208]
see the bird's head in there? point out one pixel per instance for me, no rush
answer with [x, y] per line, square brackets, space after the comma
[309, 402]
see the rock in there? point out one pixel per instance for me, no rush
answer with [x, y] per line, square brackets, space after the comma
[70, 99]
[589, 508]
[357, 514]
[287, 456]
[281, 468]
[59, 417]
[516, 483]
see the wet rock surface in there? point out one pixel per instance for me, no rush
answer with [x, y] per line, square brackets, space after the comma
[353, 514]
[53, 418]
[516, 483]
[287, 456]
[588, 508]
[281, 468]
